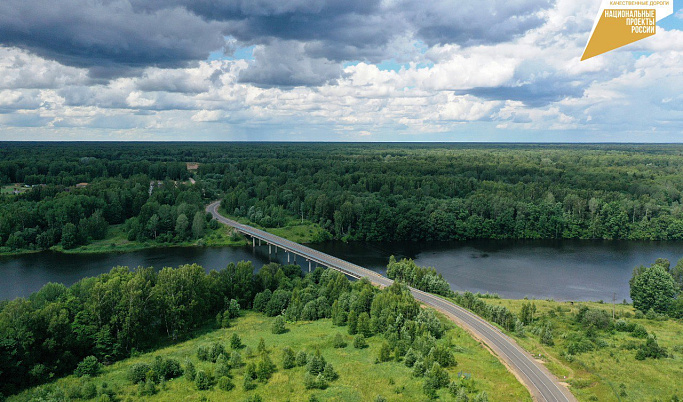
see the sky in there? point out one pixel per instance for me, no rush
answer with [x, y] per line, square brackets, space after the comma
[337, 70]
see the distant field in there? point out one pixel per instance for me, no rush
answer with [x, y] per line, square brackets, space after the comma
[361, 379]
[10, 189]
[610, 373]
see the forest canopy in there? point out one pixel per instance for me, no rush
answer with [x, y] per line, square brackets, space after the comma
[369, 192]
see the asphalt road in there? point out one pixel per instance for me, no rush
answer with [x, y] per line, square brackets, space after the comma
[542, 385]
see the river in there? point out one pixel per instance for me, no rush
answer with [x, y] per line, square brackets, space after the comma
[561, 270]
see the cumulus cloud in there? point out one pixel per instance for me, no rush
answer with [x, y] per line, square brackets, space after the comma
[315, 71]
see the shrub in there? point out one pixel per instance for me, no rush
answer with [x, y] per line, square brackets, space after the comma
[301, 358]
[359, 342]
[288, 358]
[410, 358]
[203, 353]
[639, 331]
[338, 341]
[203, 381]
[278, 326]
[235, 359]
[138, 372]
[222, 367]
[190, 371]
[147, 388]
[443, 356]
[265, 368]
[235, 342]
[651, 349]
[225, 384]
[88, 391]
[316, 363]
[384, 354]
[329, 374]
[216, 350]
[314, 381]
[88, 367]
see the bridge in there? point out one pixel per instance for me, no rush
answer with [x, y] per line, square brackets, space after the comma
[542, 384]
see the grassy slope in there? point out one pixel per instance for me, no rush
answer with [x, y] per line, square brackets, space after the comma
[360, 378]
[599, 374]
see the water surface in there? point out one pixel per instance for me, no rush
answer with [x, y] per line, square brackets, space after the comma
[562, 270]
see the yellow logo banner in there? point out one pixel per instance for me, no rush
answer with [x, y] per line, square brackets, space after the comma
[621, 22]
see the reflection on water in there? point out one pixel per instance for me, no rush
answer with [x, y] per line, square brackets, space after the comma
[563, 270]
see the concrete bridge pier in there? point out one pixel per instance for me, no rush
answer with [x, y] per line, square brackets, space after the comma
[309, 265]
[253, 242]
[259, 242]
[270, 251]
[287, 257]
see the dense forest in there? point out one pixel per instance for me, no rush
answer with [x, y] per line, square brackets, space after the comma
[372, 192]
[110, 317]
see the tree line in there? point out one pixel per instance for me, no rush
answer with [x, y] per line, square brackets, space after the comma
[370, 192]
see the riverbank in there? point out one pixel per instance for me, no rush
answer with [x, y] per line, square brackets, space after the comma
[116, 242]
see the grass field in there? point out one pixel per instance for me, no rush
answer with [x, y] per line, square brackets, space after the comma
[360, 378]
[610, 373]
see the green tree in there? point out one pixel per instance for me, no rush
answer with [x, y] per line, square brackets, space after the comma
[198, 225]
[69, 236]
[181, 227]
[653, 289]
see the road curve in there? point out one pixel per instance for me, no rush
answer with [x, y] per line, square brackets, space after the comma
[542, 385]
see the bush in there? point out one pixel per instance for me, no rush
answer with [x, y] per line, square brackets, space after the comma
[222, 367]
[651, 349]
[225, 384]
[88, 367]
[138, 372]
[288, 358]
[314, 382]
[278, 326]
[443, 356]
[216, 350]
[329, 374]
[265, 368]
[147, 388]
[410, 358]
[88, 391]
[316, 363]
[235, 359]
[359, 342]
[203, 353]
[639, 331]
[235, 342]
[384, 354]
[190, 371]
[167, 368]
[301, 358]
[203, 381]
[338, 341]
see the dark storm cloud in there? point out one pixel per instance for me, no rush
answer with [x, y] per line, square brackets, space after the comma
[110, 38]
[121, 37]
